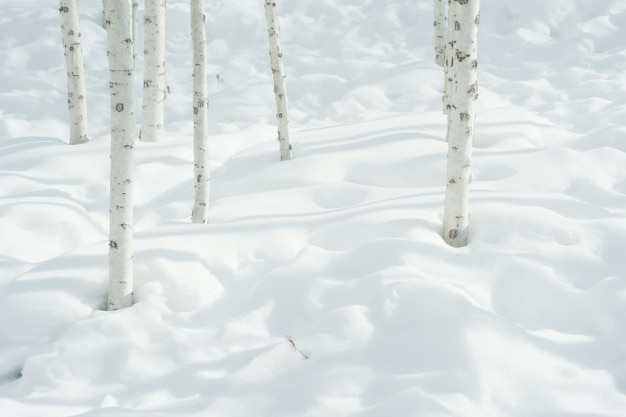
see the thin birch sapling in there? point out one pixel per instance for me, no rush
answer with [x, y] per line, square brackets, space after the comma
[278, 72]
[135, 17]
[199, 212]
[463, 17]
[440, 31]
[74, 63]
[120, 55]
[154, 71]
[450, 40]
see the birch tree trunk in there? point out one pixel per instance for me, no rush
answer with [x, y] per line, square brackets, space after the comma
[154, 71]
[134, 17]
[280, 89]
[463, 17]
[448, 48]
[120, 56]
[440, 31]
[73, 51]
[199, 213]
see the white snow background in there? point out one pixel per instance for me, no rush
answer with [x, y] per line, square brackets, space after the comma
[339, 248]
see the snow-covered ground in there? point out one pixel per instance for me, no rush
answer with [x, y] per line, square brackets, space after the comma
[337, 250]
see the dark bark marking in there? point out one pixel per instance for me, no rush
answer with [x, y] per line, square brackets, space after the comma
[461, 56]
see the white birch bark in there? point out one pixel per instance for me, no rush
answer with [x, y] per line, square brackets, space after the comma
[463, 17]
[135, 17]
[440, 31]
[278, 72]
[154, 71]
[199, 213]
[76, 91]
[448, 48]
[122, 143]
[135, 14]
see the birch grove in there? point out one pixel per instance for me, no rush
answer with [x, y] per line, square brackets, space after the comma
[120, 55]
[74, 63]
[154, 71]
[199, 213]
[440, 31]
[463, 18]
[278, 72]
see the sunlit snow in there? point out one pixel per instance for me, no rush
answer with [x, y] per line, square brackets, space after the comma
[321, 286]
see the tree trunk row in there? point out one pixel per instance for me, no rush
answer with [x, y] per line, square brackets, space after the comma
[119, 19]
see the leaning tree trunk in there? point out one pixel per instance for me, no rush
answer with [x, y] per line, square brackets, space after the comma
[440, 31]
[463, 16]
[280, 89]
[154, 71]
[122, 143]
[199, 213]
[76, 92]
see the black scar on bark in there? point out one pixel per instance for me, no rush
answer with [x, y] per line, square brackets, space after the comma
[461, 56]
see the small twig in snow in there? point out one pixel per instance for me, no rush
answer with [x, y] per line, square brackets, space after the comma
[295, 348]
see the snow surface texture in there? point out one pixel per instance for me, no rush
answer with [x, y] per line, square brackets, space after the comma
[339, 248]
